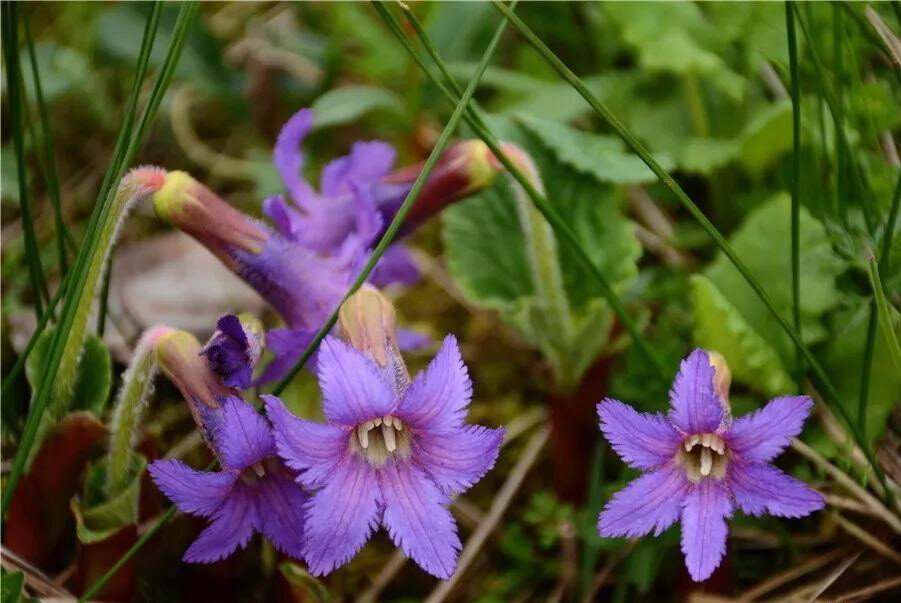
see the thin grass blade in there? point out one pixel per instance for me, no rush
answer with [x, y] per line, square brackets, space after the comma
[795, 188]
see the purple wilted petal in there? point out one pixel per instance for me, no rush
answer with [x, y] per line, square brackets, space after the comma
[242, 437]
[288, 220]
[288, 158]
[193, 492]
[353, 389]
[760, 487]
[763, 434]
[231, 528]
[651, 502]
[341, 516]
[457, 459]
[229, 353]
[367, 162]
[696, 407]
[417, 519]
[437, 399]
[396, 266]
[644, 441]
[704, 528]
[315, 449]
[287, 346]
[280, 504]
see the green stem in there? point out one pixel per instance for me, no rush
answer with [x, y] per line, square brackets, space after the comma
[398, 219]
[795, 189]
[563, 230]
[831, 393]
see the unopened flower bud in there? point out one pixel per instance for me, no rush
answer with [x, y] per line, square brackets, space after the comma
[722, 377]
[368, 323]
[235, 348]
[462, 170]
[180, 359]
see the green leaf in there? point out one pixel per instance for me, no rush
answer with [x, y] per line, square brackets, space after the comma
[886, 325]
[100, 516]
[767, 136]
[843, 359]
[94, 378]
[764, 242]
[706, 155]
[718, 326]
[676, 37]
[344, 105]
[11, 587]
[537, 286]
[603, 157]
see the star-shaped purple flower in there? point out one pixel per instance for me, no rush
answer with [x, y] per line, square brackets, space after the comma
[254, 490]
[700, 465]
[389, 455]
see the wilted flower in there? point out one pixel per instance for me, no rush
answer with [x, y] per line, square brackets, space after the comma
[701, 464]
[392, 452]
[254, 490]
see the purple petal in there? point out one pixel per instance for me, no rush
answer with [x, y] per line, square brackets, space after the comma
[316, 449]
[644, 441]
[280, 504]
[287, 346]
[353, 389]
[289, 160]
[341, 517]
[418, 520]
[763, 434]
[704, 527]
[194, 492]
[760, 487]
[651, 502]
[437, 399]
[696, 407]
[396, 266]
[367, 220]
[242, 437]
[367, 162]
[231, 528]
[288, 221]
[458, 459]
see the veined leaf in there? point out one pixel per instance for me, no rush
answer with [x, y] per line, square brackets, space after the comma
[506, 259]
[343, 105]
[719, 327]
[764, 241]
[11, 587]
[98, 515]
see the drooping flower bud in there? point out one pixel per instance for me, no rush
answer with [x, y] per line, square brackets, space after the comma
[369, 324]
[465, 168]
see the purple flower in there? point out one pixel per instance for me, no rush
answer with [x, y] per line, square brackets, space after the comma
[232, 352]
[392, 453]
[700, 464]
[254, 490]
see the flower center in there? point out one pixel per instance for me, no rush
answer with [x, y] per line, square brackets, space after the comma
[251, 475]
[379, 439]
[703, 455]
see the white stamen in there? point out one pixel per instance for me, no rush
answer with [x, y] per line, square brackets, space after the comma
[690, 442]
[398, 425]
[388, 434]
[258, 469]
[376, 422]
[363, 435]
[706, 461]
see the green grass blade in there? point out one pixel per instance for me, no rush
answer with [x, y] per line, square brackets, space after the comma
[63, 236]
[885, 318]
[474, 119]
[411, 197]
[86, 260]
[795, 188]
[14, 92]
[830, 392]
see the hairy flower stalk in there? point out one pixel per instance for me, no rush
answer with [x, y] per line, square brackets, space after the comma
[700, 464]
[393, 450]
[138, 184]
[137, 385]
[253, 491]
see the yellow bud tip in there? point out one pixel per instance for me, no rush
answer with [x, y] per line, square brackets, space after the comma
[480, 163]
[368, 323]
[172, 195]
[722, 376]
